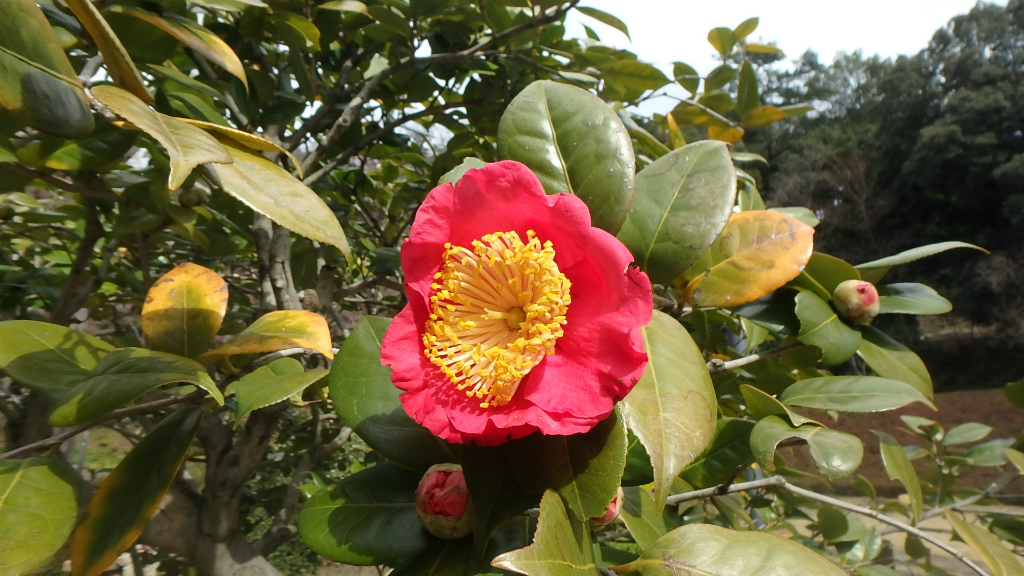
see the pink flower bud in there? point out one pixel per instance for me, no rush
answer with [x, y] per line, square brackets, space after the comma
[442, 502]
[610, 515]
[856, 300]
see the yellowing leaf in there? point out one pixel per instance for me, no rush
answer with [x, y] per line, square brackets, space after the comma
[999, 559]
[723, 133]
[196, 38]
[757, 252]
[250, 140]
[184, 310]
[272, 191]
[186, 145]
[762, 116]
[278, 330]
[561, 545]
[119, 64]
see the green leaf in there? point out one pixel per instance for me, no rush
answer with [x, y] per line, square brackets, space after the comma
[722, 39]
[278, 330]
[874, 271]
[38, 508]
[48, 358]
[131, 494]
[762, 49]
[362, 393]
[455, 174]
[911, 298]
[494, 489]
[748, 97]
[729, 450]
[561, 546]
[574, 143]
[757, 253]
[270, 190]
[584, 468]
[367, 518]
[745, 28]
[760, 404]
[118, 63]
[122, 376]
[459, 558]
[852, 394]
[1014, 391]
[686, 76]
[890, 359]
[345, 6]
[820, 326]
[184, 309]
[898, 467]
[719, 77]
[186, 145]
[271, 384]
[1000, 561]
[713, 550]
[682, 202]
[628, 79]
[824, 273]
[673, 407]
[645, 524]
[837, 454]
[802, 214]
[98, 151]
[966, 433]
[38, 85]
[605, 18]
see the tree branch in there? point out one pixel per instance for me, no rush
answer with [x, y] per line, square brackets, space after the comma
[716, 366]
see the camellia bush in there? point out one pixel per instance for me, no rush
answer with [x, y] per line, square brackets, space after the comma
[407, 284]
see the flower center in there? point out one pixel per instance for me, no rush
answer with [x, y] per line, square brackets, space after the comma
[496, 311]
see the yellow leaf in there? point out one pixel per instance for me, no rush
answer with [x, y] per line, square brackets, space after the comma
[186, 145]
[725, 133]
[278, 331]
[757, 252]
[250, 140]
[675, 135]
[762, 116]
[119, 64]
[184, 310]
[195, 37]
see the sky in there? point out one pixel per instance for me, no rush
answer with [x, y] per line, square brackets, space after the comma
[664, 31]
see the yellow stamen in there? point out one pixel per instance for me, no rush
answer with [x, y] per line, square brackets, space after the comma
[496, 311]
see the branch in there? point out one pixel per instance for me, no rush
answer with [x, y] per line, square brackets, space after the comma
[996, 485]
[116, 414]
[716, 366]
[780, 482]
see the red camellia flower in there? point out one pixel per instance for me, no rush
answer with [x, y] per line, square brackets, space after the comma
[521, 316]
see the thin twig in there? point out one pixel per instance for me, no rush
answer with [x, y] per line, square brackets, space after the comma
[116, 414]
[997, 485]
[716, 366]
[264, 360]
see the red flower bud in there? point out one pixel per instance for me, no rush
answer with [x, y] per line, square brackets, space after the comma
[856, 301]
[442, 502]
[610, 515]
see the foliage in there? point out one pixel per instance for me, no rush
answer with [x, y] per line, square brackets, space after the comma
[155, 160]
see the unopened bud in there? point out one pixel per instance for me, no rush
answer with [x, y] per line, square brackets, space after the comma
[856, 301]
[442, 502]
[611, 514]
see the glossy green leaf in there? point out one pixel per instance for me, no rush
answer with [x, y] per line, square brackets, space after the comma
[627, 80]
[820, 326]
[455, 174]
[682, 202]
[673, 407]
[605, 18]
[38, 508]
[278, 330]
[48, 358]
[911, 298]
[131, 494]
[186, 145]
[122, 376]
[966, 433]
[195, 37]
[184, 309]
[712, 550]
[824, 273]
[574, 143]
[719, 77]
[367, 518]
[837, 454]
[362, 393]
[722, 39]
[494, 488]
[898, 467]
[1000, 560]
[890, 359]
[638, 463]
[760, 404]
[271, 384]
[646, 141]
[852, 394]
[585, 469]
[729, 450]
[38, 85]
[646, 524]
[561, 546]
[874, 271]
[98, 151]
[270, 190]
[757, 253]
[118, 63]
[748, 96]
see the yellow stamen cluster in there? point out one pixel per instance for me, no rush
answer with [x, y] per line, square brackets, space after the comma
[496, 311]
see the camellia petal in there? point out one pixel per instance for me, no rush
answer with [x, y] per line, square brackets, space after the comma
[521, 316]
